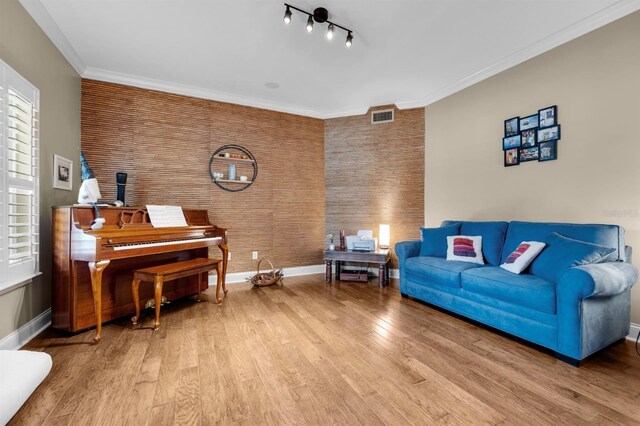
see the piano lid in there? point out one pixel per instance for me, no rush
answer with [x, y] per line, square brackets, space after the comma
[130, 218]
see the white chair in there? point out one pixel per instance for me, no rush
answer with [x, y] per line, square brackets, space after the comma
[21, 372]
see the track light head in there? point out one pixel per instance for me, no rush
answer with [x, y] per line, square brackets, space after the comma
[287, 16]
[349, 39]
[310, 24]
[330, 31]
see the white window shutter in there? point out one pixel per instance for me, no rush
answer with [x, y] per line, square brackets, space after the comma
[19, 175]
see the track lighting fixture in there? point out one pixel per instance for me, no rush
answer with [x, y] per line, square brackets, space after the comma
[310, 24]
[349, 39]
[330, 31]
[319, 15]
[287, 16]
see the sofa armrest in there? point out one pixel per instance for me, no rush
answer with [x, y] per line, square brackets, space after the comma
[593, 307]
[596, 280]
[407, 249]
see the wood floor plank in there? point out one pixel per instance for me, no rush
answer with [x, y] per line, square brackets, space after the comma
[312, 353]
[187, 405]
[163, 415]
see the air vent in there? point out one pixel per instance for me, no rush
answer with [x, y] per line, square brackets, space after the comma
[382, 116]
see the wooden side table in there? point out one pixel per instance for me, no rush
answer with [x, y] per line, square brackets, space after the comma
[381, 257]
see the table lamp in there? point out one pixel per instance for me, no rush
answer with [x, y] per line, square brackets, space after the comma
[384, 236]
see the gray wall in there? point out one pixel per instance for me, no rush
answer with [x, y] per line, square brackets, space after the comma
[595, 81]
[25, 48]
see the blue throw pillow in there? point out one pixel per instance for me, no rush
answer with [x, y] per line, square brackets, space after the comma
[563, 253]
[434, 240]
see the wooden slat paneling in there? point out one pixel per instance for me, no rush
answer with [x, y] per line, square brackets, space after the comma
[374, 173]
[163, 141]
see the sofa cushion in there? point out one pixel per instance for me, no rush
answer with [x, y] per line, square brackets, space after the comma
[493, 234]
[522, 257]
[605, 235]
[438, 270]
[526, 290]
[465, 248]
[563, 253]
[434, 240]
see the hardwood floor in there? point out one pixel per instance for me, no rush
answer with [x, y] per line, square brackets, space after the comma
[310, 353]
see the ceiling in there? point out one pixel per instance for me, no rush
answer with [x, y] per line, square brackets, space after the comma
[405, 52]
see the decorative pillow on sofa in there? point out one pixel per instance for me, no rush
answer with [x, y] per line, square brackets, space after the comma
[434, 240]
[465, 249]
[563, 253]
[522, 257]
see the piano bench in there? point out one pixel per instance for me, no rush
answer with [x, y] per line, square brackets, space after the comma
[172, 271]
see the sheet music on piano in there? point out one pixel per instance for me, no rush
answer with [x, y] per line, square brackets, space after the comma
[166, 216]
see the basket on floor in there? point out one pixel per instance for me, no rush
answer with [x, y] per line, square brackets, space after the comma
[262, 279]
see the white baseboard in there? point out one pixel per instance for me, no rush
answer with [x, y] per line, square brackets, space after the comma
[633, 332]
[241, 277]
[24, 334]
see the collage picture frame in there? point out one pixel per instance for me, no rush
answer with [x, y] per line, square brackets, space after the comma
[531, 138]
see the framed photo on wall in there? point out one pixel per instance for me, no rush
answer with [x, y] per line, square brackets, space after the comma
[511, 142]
[529, 138]
[512, 126]
[548, 151]
[548, 116]
[530, 122]
[62, 173]
[511, 157]
[529, 154]
[549, 134]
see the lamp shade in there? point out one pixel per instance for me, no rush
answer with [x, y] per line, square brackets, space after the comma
[384, 236]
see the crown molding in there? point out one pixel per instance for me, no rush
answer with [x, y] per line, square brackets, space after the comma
[39, 13]
[348, 112]
[42, 17]
[198, 92]
[591, 23]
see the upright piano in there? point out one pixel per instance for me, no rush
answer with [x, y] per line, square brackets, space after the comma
[93, 269]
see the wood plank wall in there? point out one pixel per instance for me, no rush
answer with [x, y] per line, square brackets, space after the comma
[374, 173]
[163, 141]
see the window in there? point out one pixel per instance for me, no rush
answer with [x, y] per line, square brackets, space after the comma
[19, 183]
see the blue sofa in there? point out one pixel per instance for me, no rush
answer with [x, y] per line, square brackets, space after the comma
[587, 309]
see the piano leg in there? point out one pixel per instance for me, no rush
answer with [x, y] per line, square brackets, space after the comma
[219, 271]
[135, 286]
[96, 268]
[158, 295]
[225, 255]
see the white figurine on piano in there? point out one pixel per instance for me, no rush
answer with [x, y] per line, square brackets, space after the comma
[90, 192]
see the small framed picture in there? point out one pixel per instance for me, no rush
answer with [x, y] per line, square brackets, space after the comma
[62, 173]
[548, 117]
[511, 157]
[511, 142]
[549, 134]
[529, 154]
[511, 126]
[530, 122]
[548, 151]
[529, 138]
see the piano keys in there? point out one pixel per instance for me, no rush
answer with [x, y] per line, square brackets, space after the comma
[130, 246]
[92, 270]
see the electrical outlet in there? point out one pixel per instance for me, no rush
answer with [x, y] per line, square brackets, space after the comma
[255, 255]
[228, 255]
